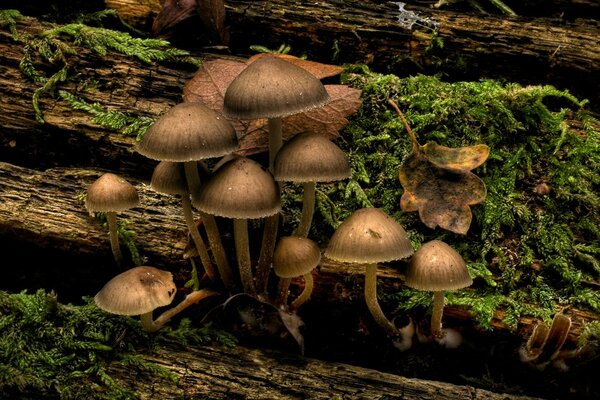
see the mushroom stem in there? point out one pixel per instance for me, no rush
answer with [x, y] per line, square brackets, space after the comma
[308, 208]
[214, 238]
[193, 229]
[305, 295]
[148, 323]
[282, 290]
[436, 314]
[275, 139]
[192, 298]
[111, 218]
[372, 302]
[266, 253]
[192, 176]
[242, 251]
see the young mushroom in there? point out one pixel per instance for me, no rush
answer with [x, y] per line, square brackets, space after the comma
[295, 256]
[369, 236]
[309, 158]
[240, 189]
[437, 267]
[140, 291]
[111, 194]
[190, 132]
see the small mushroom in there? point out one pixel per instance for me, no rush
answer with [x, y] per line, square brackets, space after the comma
[240, 189]
[295, 256]
[309, 158]
[111, 194]
[140, 291]
[437, 267]
[370, 236]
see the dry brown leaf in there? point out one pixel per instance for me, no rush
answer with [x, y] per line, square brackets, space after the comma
[457, 159]
[172, 13]
[212, 79]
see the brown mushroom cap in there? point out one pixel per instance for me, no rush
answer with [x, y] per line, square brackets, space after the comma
[111, 193]
[188, 131]
[169, 177]
[369, 235]
[295, 256]
[137, 291]
[240, 189]
[271, 88]
[311, 157]
[437, 267]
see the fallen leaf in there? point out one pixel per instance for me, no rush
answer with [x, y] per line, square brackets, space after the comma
[441, 196]
[209, 84]
[457, 159]
[172, 13]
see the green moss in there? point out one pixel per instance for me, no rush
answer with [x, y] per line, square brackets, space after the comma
[529, 253]
[52, 350]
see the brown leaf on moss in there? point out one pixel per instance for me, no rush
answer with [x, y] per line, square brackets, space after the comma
[212, 79]
[442, 196]
[456, 159]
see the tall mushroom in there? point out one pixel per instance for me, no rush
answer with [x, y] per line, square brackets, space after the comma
[140, 291]
[369, 236]
[309, 158]
[169, 177]
[187, 133]
[437, 267]
[240, 189]
[295, 256]
[272, 88]
[111, 194]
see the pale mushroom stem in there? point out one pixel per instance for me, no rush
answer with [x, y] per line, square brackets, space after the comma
[373, 303]
[305, 295]
[242, 251]
[436, 314]
[150, 325]
[308, 208]
[200, 245]
[212, 230]
[275, 139]
[111, 218]
[282, 292]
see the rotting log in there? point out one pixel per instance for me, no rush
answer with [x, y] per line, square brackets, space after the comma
[216, 373]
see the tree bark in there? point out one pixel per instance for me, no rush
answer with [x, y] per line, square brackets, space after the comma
[215, 373]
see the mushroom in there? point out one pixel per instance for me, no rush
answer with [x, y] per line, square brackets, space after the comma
[272, 88]
[169, 177]
[187, 133]
[295, 256]
[309, 158]
[437, 267]
[140, 291]
[240, 189]
[370, 236]
[111, 194]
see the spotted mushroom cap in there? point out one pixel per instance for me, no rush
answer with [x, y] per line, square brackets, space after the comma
[241, 189]
[111, 193]
[137, 291]
[270, 88]
[369, 235]
[436, 266]
[188, 131]
[295, 256]
[311, 157]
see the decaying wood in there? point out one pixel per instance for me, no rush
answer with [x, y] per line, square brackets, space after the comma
[215, 373]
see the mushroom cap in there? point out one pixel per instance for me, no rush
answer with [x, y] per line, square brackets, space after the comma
[295, 256]
[271, 88]
[169, 177]
[311, 157]
[369, 235]
[137, 291]
[188, 131]
[437, 267]
[239, 189]
[111, 193]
